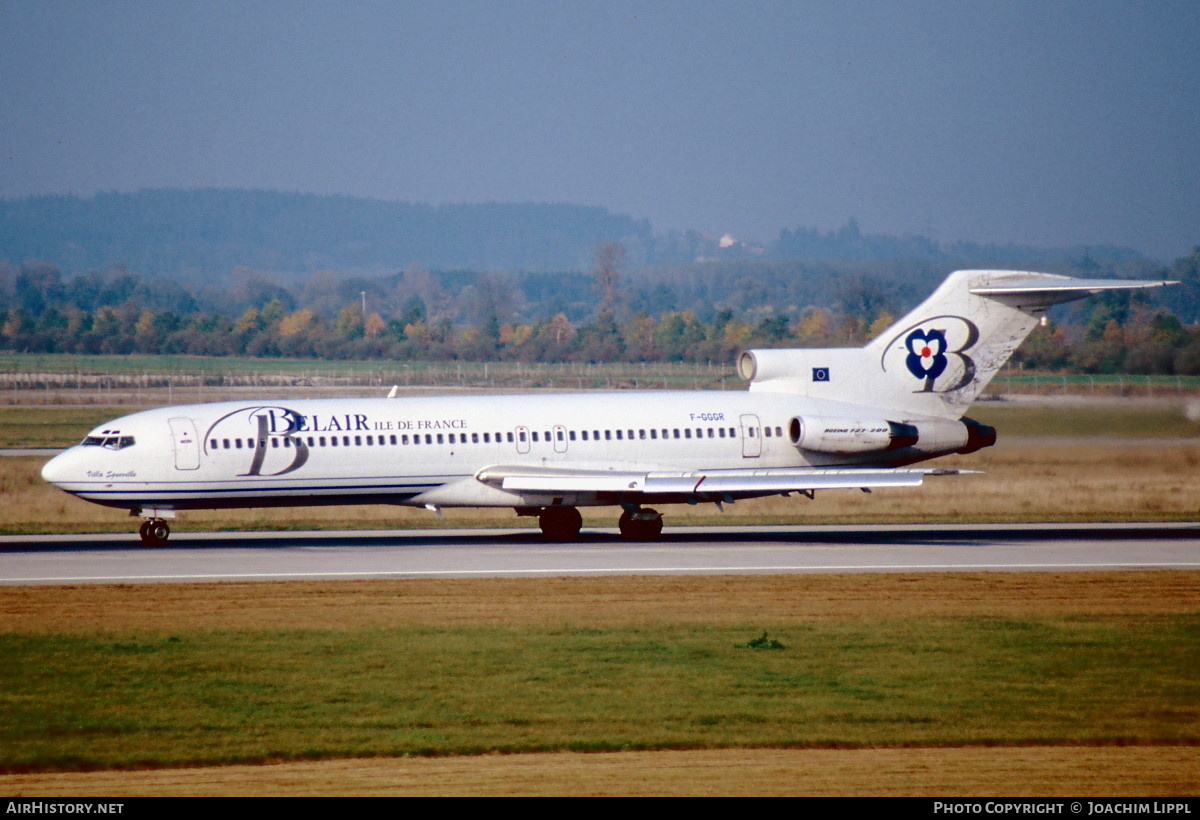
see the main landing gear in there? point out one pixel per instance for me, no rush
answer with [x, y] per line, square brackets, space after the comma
[564, 523]
[560, 523]
[154, 532]
[640, 524]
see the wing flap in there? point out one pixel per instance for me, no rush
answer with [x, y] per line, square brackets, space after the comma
[735, 481]
[580, 482]
[700, 482]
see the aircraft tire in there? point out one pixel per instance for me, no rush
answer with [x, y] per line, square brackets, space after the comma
[154, 532]
[560, 523]
[644, 525]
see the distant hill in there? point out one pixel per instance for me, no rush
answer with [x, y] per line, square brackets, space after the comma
[850, 244]
[191, 234]
[201, 236]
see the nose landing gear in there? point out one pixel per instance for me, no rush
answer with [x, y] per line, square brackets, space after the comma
[154, 532]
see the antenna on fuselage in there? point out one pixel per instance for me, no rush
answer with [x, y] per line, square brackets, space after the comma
[392, 393]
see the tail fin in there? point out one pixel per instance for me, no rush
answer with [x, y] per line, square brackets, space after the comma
[937, 359]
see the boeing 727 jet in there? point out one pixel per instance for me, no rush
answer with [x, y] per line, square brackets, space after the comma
[812, 419]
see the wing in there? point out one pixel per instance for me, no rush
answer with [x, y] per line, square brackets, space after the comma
[700, 484]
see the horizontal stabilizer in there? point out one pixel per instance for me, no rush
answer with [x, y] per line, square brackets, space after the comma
[1034, 294]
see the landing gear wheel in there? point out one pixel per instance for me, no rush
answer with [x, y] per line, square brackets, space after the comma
[643, 525]
[154, 532]
[560, 523]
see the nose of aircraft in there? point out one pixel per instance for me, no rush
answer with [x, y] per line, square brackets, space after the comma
[57, 470]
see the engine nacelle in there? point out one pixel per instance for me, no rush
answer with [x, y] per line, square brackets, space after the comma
[839, 435]
[844, 436]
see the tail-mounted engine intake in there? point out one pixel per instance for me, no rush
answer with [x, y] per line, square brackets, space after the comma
[842, 436]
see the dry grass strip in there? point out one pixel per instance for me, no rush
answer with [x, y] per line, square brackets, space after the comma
[970, 772]
[717, 600]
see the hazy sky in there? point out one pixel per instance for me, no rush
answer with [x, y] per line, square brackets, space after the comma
[1046, 123]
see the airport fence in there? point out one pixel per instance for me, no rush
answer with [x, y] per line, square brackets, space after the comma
[148, 380]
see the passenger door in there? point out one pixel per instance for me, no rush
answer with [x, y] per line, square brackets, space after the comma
[522, 439]
[751, 436]
[187, 447]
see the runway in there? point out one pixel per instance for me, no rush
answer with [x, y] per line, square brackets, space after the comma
[275, 556]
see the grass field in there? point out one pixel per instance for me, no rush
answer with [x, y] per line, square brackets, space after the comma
[211, 697]
[147, 676]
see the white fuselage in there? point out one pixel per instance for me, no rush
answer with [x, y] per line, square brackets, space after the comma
[398, 451]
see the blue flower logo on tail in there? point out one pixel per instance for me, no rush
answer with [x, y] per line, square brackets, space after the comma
[931, 355]
[926, 354]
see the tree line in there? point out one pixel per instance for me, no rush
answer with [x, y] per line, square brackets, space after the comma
[604, 316]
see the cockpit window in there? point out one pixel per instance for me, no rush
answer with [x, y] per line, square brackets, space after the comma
[109, 442]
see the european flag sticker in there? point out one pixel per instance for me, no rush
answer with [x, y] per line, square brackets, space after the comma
[820, 374]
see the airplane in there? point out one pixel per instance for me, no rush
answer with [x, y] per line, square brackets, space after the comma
[811, 419]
